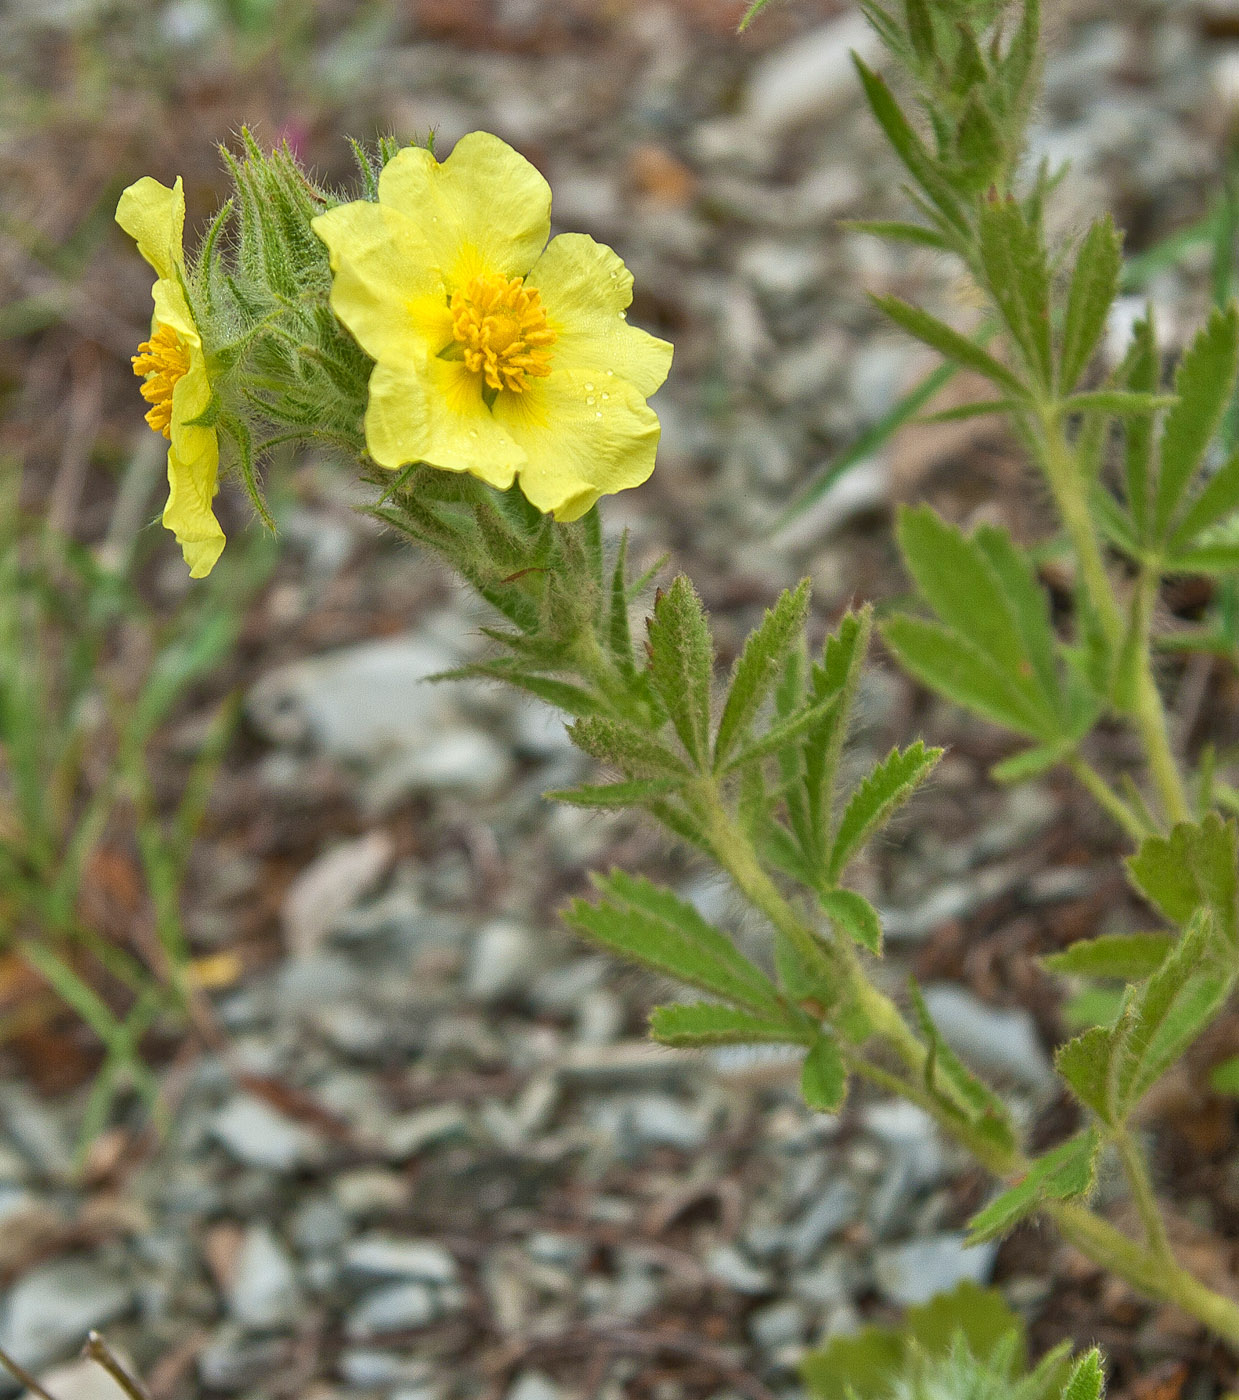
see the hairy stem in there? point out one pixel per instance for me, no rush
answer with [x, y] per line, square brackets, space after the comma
[1105, 796]
[1136, 1169]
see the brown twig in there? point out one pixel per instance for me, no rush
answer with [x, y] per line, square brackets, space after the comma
[98, 1351]
[19, 1372]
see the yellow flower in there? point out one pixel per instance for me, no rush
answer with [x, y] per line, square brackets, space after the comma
[495, 354]
[173, 369]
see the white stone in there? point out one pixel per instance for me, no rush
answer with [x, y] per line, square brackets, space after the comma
[326, 889]
[810, 77]
[264, 1292]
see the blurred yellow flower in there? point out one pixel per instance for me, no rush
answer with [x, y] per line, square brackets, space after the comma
[173, 369]
[496, 353]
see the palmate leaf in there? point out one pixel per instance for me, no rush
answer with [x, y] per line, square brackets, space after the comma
[1127, 956]
[957, 348]
[1065, 1173]
[823, 1078]
[647, 924]
[695, 1024]
[1195, 865]
[1111, 1068]
[1203, 383]
[886, 788]
[1218, 499]
[955, 1086]
[1013, 256]
[854, 914]
[957, 669]
[681, 664]
[1094, 285]
[758, 667]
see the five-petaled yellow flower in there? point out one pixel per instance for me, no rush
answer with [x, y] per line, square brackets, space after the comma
[497, 353]
[173, 370]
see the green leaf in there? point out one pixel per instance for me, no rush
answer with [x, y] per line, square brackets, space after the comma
[1128, 956]
[758, 667]
[562, 694]
[823, 1078]
[957, 348]
[1195, 865]
[619, 637]
[872, 803]
[1203, 384]
[1087, 1380]
[784, 732]
[706, 1023]
[1087, 1064]
[626, 747]
[953, 1084]
[898, 232]
[808, 975]
[952, 572]
[1219, 499]
[651, 925]
[981, 149]
[837, 675]
[1141, 373]
[1063, 1174]
[855, 916]
[1205, 559]
[920, 26]
[1094, 285]
[1017, 278]
[856, 1366]
[1029, 604]
[955, 668]
[1224, 1078]
[909, 147]
[1170, 1010]
[1030, 763]
[1121, 403]
[613, 795]
[681, 664]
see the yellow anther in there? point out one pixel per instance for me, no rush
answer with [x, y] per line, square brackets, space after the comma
[502, 325]
[160, 361]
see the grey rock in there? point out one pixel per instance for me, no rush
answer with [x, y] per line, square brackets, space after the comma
[232, 1362]
[912, 1273]
[358, 702]
[53, 1307]
[998, 1040]
[837, 1207]
[318, 1224]
[533, 1385]
[659, 1120]
[331, 885]
[501, 961]
[730, 1267]
[810, 77]
[461, 759]
[370, 1191]
[79, 1380]
[396, 1308]
[254, 1133]
[264, 1294]
[778, 1325]
[829, 1284]
[36, 1130]
[371, 1369]
[408, 1134]
[385, 1256]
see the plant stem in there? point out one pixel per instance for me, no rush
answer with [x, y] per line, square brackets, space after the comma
[1066, 481]
[1136, 1170]
[1148, 1267]
[1106, 797]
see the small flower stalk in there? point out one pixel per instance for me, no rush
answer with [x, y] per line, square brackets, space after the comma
[484, 379]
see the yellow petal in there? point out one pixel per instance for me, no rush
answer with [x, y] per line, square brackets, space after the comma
[171, 309]
[154, 217]
[584, 438]
[385, 289]
[434, 413]
[193, 473]
[585, 288]
[483, 210]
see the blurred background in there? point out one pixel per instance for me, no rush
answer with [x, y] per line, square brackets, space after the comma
[303, 1089]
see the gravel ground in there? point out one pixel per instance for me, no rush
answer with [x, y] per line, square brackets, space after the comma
[424, 1151]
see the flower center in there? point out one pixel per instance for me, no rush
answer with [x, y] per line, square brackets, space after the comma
[160, 361]
[502, 326]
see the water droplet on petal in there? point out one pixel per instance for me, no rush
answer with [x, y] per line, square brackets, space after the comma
[605, 397]
[623, 315]
[610, 372]
[589, 388]
[590, 400]
[597, 415]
